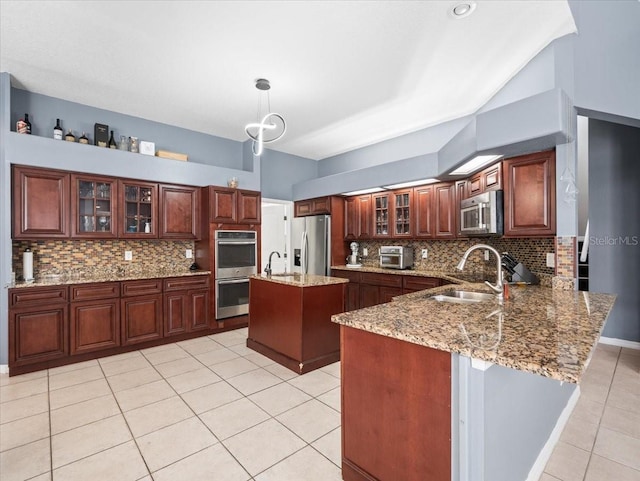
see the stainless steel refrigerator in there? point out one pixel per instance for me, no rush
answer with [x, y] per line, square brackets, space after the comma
[311, 244]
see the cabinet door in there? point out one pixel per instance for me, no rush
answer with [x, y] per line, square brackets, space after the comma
[93, 207]
[38, 334]
[381, 215]
[40, 203]
[223, 205]
[141, 319]
[249, 207]
[351, 218]
[179, 212]
[369, 295]
[475, 185]
[492, 177]
[139, 210]
[365, 217]
[402, 211]
[352, 297]
[530, 195]
[423, 200]
[303, 208]
[461, 193]
[444, 211]
[175, 313]
[199, 310]
[388, 293]
[94, 325]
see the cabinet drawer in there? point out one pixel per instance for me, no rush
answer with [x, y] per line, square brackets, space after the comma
[420, 283]
[388, 280]
[185, 283]
[88, 292]
[37, 296]
[141, 288]
[352, 276]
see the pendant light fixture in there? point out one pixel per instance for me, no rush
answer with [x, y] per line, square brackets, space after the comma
[270, 126]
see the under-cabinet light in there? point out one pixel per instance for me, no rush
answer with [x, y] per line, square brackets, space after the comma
[474, 164]
[412, 183]
[364, 191]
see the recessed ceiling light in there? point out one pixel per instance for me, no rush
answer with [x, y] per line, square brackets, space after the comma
[463, 9]
[474, 164]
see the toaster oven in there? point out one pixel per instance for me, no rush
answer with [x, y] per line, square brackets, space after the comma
[396, 257]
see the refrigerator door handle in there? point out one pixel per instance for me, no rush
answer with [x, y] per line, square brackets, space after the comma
[305, 243]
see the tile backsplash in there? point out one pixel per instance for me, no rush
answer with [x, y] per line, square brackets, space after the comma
[101, 256]
[445, 254]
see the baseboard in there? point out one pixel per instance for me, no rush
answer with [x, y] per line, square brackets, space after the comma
[4, 369]
[543, 458]
[620, 342]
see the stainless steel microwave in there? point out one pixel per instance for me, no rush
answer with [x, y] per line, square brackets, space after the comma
[482, 214]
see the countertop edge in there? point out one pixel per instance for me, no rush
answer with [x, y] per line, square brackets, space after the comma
[130, 277]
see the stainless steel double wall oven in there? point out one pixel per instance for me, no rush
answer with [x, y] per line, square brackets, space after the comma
[236, 260]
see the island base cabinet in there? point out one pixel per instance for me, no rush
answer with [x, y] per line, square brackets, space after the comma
[141, 319]
[396, 409]
[38, 334]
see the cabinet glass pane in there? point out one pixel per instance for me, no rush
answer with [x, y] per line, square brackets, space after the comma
[86, 189]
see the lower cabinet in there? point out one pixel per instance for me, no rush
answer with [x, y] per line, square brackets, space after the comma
[38, 325]
[94, 321]
[141, 319]
[186, 305]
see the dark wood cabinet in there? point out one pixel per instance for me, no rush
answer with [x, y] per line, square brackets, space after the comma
[234, 206]
[179, 212]
[186, 304]
[423, 200]
[419, 283]
[461, 193]
[317, 206]
[378, 288]
[444, 211]
[139, 210]
[40, 203]
[382, 211]
[487, 179]
[38, 325]
[396, 409]
[402, 212]
[94, 207]
[94, 319]
[358, 217]
[530, 195]
[141, 311]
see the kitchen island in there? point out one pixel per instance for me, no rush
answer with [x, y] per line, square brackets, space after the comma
[454, 391]
[290, 319]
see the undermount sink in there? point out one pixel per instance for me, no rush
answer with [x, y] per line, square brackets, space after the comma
[463, 297]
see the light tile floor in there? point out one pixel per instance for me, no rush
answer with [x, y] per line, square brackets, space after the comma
[209, 408]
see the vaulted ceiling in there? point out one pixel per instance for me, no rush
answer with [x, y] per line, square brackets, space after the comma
[344, 74]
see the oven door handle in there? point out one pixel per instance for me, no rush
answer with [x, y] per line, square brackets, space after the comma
[232, 243]
[233, 281]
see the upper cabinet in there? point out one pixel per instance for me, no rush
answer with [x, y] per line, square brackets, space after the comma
[382, 211]
[179, 212]
[402, 210]
[94, 211]
[139, 201]
[357, 217]
[530, 195]
[40, 203]
[487, 179]
[317, 206]
[234, 206]
[435, 211]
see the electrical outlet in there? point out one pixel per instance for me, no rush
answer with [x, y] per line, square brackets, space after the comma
[189, 254]
[365, 252]
[128, 255]
[425, 253]
[486, 254]
[551, 259]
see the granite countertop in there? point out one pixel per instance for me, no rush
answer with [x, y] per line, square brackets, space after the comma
[550, 332]
[300, 280]
[61, 280]
[453, 277]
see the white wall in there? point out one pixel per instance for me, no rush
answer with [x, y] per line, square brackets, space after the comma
[276, 234]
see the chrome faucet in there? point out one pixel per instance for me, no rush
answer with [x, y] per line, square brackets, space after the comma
[267, 269]
[499, 281]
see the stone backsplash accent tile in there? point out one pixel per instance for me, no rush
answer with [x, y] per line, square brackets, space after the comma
[566, 254]
[445, 254]
[101, 257]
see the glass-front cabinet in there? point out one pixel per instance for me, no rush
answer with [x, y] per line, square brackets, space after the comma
[381, 215]
[402, 213]
[94, 206]
[139, 201]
